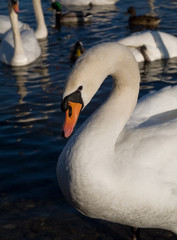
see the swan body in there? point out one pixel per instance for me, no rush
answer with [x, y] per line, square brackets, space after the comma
[19, 47]
[41, 31]
[121, 164]
[87, 2]
[159, 45]
[5, 25]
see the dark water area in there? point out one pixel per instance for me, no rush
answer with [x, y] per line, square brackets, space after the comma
[31, 203]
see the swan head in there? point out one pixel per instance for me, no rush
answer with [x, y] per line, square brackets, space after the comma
[14, 5]
[88, 73]
[71, 105]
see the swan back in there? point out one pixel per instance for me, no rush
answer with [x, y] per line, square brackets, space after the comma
[87, 2]
[159, 44]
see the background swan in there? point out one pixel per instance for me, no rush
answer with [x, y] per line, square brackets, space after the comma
[114, 168]
[41, 31]
[18, 47]
[5, 25]
[87, 2]
[159, 45]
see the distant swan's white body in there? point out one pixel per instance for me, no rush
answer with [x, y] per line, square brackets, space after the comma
[5, 25]
[114, 167]
[41, 31]
[19, 47]
[87, 2]
[159, 45]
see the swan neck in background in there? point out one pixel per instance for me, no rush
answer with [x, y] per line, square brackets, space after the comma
[41, 31]
[19, 52]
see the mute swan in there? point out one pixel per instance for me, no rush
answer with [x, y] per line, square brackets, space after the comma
[142, 20]
[69, 17]
[5, 25]
[41, 31]
[159, 45]
[18, 47]
[87, 2]
[113, 168]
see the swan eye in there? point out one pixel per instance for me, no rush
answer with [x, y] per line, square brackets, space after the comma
[73, 97]
[70, 111]
[79, 88]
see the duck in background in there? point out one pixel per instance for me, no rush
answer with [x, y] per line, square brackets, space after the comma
[19, 47]
[158, 45]
[76, 52]
[69, 17]
[141, 22]
[41, 31]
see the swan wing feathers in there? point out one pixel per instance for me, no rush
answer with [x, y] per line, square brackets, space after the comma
[87, 2]
[148, 141]
[154, 103]
[149, 154]
[30, 45]
[5, 25]
[159, 44]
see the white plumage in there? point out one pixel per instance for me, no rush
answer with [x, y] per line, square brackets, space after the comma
[159, 45]
[41, 31]
[87, 2]
[121, 164]
[19, 47]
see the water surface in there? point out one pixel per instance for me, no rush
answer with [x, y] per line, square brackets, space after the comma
[31, 204]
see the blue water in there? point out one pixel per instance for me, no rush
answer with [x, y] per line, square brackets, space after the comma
[31, 204]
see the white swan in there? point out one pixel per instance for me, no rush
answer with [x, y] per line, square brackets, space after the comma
[18, 47]
[87, 2]
[41, 31]
[159, 45]
[113, 168]
[5, 25]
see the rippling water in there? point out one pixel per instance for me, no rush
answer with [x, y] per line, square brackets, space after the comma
[31, 204]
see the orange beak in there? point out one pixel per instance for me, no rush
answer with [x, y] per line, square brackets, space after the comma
[16, 8]
[72, 114]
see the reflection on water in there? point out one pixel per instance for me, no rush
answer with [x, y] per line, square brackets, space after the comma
[31, 204]
[158, 74]
[24, 76]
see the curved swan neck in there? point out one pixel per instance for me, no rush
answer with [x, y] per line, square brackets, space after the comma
[19, 53]
[91, 70]
[41, 31]
[87, 162]
[95, 65]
